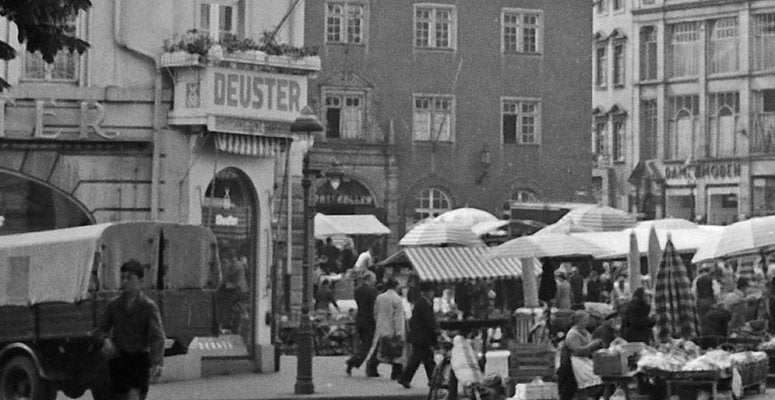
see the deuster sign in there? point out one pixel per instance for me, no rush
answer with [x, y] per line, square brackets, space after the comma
[246, 90]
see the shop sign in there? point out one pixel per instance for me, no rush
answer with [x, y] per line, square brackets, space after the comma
[229, 220]
[252, 94]
[91, 117]
[350, 192]
[705, 171]
[343, 199]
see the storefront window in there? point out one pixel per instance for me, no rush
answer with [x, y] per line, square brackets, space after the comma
[764, 196]
[228, 210]
[722, 206]
[28, 206]
[679, 204]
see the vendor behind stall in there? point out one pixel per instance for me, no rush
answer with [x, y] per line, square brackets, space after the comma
[576, 370]
[715, 322]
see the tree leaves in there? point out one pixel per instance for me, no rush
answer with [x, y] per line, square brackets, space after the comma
[46, 26]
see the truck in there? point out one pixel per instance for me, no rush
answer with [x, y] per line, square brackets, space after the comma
[55, 285]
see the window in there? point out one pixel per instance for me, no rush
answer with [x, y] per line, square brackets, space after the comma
[601, 66]
[763, 123]
[344, 115]
[433, 118]
[344, 22]
[520, 121]
[683, 124]
[648, 53]
[218, 18]
[618, 64]
[648, 129]
[434, 27]
[523, 196]
[618, 137]
[685, 49]
[65, 67]
[431, 203]
[600, 137]
[764, 41]
[617, 5]
[521, 31]
[723, 110]
[602, 6]
[723, 46]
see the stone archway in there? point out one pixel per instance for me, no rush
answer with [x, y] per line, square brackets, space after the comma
[28, 205]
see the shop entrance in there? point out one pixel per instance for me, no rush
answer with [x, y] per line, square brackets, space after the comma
[722, 206]
[229, 209]
[29, 205]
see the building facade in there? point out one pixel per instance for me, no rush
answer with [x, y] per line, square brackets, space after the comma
[136, 129]
[430, 106]
[702, 103]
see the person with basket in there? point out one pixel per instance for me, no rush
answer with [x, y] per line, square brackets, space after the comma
[388, 345]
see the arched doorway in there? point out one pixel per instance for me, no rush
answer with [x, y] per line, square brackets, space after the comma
[230, 210]
[29, 205]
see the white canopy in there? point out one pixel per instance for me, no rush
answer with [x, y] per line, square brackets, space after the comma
[618, 243]
[334, 225]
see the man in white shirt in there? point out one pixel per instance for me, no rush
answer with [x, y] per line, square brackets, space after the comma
[365, 260]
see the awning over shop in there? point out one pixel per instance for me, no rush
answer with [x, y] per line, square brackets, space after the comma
[450, 264]
[248, 145]
[333, 225]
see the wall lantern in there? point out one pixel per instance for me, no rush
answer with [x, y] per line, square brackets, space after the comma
[485, 160]
[335, 175]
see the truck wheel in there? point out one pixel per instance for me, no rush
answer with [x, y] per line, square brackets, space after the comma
[20, 380]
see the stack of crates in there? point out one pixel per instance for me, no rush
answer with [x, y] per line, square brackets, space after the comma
[528, 362]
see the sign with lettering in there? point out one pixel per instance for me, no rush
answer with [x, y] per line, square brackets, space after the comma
[350, 192]
[253, 94]
[52, 120]
[703, 171]
[228, 220]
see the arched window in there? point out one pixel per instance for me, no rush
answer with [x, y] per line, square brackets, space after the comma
[27, 205]
[523, 196]
[430, 202]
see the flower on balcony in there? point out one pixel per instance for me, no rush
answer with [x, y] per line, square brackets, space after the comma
[197, 42]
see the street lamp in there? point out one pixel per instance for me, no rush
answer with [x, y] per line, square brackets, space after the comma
[335, 175]
[308, 123]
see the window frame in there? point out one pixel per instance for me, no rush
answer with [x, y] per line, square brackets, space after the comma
[601, 7]
[618, 10]
[601, 66]
[519, 101]
[618, 71]
[763, 27]
[619, 138]
[518, 195]
[520, 26]
[214, 14]
[648, 68]
[81, 30]
[713, 41]
[432, 98]
[432, 27]
[343, 94]
[675, 40]
[431, 190]
[345, 23]
[680, 107]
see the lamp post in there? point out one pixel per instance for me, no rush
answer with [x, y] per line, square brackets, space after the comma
[308, 123]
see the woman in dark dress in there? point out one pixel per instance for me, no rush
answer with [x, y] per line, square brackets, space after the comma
[636, 324]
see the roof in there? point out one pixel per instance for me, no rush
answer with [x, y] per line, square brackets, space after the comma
[331, 225]
[449, 264]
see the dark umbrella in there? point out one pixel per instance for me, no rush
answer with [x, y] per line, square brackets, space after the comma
[675, 307]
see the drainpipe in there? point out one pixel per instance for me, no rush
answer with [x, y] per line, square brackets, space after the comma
[118, 37]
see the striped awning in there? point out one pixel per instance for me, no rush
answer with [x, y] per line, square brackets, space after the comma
[249, 145]
[450, 264]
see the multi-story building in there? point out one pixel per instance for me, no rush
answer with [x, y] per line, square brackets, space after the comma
[139, 128]
[430, 106]
[701, 111]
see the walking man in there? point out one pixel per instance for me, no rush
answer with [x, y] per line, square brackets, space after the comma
[389, 316]
[422, 335]
[132, 336]
[365, 295]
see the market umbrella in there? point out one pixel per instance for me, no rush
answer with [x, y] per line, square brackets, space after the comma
[440, 233]
[654, 254]
[488, 227]
[547, 245]
[468, 216]
[601, 218]
[675, 307]
[748, 236]
[667, 223]
[563, 225]
[633, 261]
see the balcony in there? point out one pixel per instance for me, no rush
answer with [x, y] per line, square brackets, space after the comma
[763, 135]
[258, 59]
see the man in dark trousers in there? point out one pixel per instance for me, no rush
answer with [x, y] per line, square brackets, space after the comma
[365, 294]
[577, 289]
[132, 336]
[422, 336]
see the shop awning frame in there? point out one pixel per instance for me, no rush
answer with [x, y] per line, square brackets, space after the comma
[359, 224]
[456, 263]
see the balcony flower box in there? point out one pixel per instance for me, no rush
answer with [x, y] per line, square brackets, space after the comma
[181, 58]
